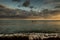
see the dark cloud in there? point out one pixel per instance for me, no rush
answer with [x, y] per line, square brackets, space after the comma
[48, 13]
[56, 0]
[16, 0]
[1, 6]
[26, 3]
[7, 12]
[52, 1]
[57, 6]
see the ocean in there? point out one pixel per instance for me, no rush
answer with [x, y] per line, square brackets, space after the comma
[18, 26]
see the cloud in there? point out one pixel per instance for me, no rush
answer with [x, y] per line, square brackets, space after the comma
[49, 13]
[46, 12]
[1, 6]
[4, 12]
[52, 1]
[26, 3]
[16, 0]
[57, 6]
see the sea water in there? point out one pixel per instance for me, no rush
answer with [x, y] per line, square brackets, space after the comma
[15, 26]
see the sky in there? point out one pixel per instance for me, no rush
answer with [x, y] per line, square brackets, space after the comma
[37, 4]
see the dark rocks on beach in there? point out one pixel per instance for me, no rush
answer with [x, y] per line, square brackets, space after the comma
[26, 38]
